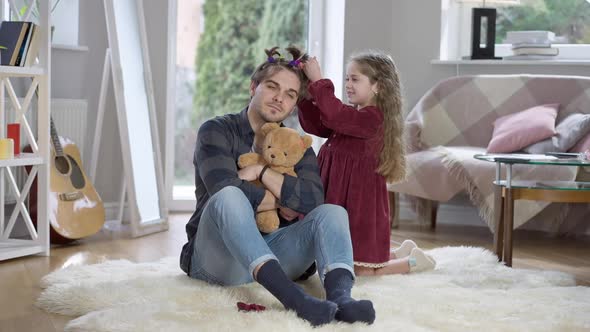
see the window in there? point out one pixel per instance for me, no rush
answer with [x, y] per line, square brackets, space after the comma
[568, 19]
[64, 18]
[218, 45]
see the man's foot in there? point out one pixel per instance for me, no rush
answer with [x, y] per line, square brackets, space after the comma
[313, 310]
[403, 250]
[352, 311]
[317, 312]
[338, 284]
[420, 261]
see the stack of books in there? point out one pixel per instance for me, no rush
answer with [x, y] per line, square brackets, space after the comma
[21, 42]
[531, 45]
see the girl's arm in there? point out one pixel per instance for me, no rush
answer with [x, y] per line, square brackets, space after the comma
[343, 118]
[309, 118]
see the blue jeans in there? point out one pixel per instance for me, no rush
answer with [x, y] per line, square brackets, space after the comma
[229, 246]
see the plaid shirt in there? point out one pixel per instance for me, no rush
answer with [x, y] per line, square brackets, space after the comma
[219, 144]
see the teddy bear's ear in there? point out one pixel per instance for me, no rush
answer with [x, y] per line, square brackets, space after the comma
[268, 127]
[306, 139]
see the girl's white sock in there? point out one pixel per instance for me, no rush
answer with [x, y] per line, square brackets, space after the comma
[404, 249]
[419, 261]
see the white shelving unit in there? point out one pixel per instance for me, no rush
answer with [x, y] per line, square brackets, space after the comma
[37, 241]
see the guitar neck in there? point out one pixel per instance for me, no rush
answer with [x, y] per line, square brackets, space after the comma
[55, 140]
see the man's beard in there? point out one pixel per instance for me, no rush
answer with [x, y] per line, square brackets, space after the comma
[272, 117]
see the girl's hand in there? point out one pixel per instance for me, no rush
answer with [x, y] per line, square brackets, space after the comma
[312, 69]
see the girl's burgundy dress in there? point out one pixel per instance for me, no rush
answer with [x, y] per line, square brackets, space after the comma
[348, 163]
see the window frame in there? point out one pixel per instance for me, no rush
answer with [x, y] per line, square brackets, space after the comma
[456, 36]
[317, 46]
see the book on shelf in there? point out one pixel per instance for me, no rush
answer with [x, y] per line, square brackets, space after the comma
[547, 51]
[33, 47]
[12, 34]
[23, 48]
[22, 39]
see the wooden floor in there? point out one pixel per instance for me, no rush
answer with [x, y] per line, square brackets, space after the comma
[19, 278]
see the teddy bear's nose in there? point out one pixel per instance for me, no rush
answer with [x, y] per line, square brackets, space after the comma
[272, 156]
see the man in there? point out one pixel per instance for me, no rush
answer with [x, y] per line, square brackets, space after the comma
[224, 245]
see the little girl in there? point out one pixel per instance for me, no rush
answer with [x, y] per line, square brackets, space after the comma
[363, 152]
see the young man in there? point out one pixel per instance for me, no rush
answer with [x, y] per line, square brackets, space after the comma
[224, 245]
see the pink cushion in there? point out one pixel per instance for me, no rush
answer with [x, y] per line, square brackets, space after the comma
[583, 145]
[513, 132]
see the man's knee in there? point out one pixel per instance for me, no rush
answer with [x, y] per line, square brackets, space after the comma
[228, 193]
[229, 201]
[333, 215]
[229, 196]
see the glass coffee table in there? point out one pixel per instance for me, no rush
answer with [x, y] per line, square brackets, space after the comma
[507, 190]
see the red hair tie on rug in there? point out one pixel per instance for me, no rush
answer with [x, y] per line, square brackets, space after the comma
[250, 307]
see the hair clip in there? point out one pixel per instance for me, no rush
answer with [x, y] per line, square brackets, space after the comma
[294, 63]
[297, 62]
[272, 58]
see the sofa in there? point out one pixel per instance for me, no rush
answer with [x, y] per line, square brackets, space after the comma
[455, 120]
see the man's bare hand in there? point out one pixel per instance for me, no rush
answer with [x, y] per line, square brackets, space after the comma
[287, 213]
[250, 173]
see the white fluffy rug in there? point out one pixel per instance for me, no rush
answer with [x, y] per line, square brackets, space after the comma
[468, 291]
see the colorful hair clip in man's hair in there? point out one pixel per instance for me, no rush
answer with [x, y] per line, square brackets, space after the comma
[273, 56]
[272, 53]
[297, 62]
[298, 57]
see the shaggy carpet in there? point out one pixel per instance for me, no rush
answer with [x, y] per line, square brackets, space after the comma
[468, 291]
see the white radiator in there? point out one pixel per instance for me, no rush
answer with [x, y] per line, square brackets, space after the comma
[69, 117]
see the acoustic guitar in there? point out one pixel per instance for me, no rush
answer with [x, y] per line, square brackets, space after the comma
[75, 208]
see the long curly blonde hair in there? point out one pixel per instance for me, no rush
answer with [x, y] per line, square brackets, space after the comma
[381, 69]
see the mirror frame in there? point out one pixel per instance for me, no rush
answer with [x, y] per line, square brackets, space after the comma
[138, 227]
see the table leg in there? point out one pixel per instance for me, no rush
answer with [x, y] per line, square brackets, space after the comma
[508, 226]
[499, 221]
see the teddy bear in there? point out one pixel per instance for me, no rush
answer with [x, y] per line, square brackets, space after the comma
[282, 148]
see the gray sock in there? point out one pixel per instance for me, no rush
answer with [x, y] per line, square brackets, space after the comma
[338, 284]
[272, 277]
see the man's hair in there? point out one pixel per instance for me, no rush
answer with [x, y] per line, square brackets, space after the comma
[275, 62]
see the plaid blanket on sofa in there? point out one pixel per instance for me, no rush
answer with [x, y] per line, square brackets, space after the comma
[454, 120]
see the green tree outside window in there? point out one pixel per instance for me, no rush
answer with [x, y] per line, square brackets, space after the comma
[568, 18]
[232, 45]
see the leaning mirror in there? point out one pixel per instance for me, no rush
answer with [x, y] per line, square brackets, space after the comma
[136, 114]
